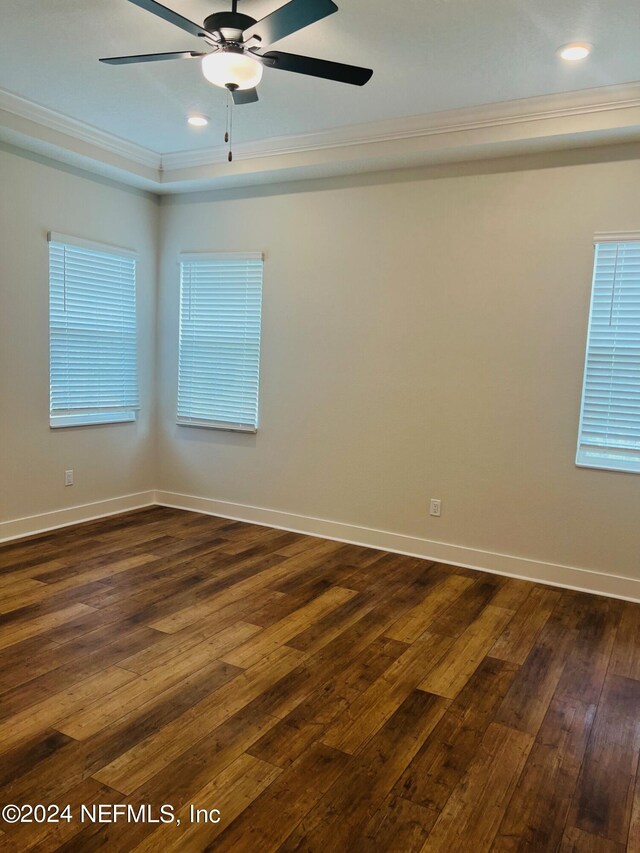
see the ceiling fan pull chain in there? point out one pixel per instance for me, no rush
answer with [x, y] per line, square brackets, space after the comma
[230, 155]
[229, 132]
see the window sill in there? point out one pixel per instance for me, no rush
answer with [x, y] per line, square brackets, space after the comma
[600, 462]
[100, 419]
[218, 425]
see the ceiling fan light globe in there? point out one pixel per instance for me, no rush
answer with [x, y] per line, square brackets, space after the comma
[232, 68]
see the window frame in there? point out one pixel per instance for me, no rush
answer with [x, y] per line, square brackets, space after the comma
[112, 416]
[204, 423]
[600, 459]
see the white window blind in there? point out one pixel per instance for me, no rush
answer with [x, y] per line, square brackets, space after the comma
[92, 333]
[610, 418]
[219, 358]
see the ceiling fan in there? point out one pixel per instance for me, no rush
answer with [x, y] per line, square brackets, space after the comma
[234, 60]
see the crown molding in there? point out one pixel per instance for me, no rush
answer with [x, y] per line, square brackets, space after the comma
[594, 117]
[547, 107]
[63, 124]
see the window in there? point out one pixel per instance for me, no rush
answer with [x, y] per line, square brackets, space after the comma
[92, 333]
[610, 418]
[219, 359]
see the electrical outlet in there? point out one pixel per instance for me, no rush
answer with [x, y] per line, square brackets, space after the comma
[68, 477]
[435, 507]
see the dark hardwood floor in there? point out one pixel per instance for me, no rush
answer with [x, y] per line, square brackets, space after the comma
[321, 696]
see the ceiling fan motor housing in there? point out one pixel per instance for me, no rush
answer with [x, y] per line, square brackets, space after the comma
[230, 25]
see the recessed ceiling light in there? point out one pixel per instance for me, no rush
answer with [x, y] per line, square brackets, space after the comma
[575, 51]
[198, 121]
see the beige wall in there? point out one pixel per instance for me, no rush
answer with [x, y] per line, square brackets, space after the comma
[109, 461]
[421, 338]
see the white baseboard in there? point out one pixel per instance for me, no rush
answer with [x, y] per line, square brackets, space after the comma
[33, 524]
[567, 577]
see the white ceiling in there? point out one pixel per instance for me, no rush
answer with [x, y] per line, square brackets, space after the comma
[427, 56]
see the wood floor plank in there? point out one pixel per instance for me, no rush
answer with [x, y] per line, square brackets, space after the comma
[91, 719]
[106, 569]
[10, 634]
[468, 606]
[70, 762]
[603, 798]
[44, 658]
[251, 651]
[260, 575]
[445, 758]
[339, 819]
[17, 591]
[324, 696]
[625, 658]
[475, 810]
[284, 742]
[240, 610]
[329, 666]
[179, 783]
[68, 664]
[414, 623]
[537, 813]
[330, 696]
[185, 601]
[587, 665]
[49, 711]
[577, 841]
[49, 837]
[365, 716]
[517, 639]
[270, 819]
[193, 769]
[399, 826]
[166, 651]
[525, 705]
[462, 659]
[634, 829]
[136, 766]
[230, 793]
[20, 759]
[327, 628]
[513, 593]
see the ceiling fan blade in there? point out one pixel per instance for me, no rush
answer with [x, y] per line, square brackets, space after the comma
[244, 96]
[151, 57]
[289, 19]
[170, 16]
[317, 67]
